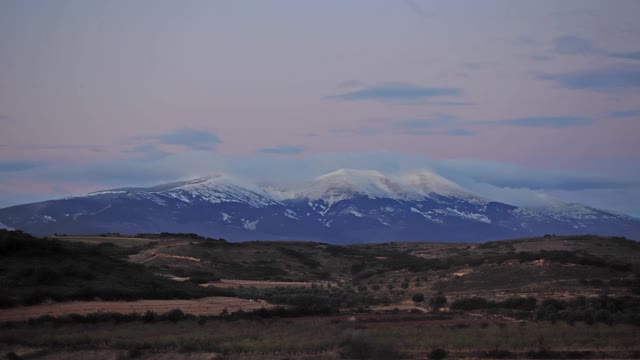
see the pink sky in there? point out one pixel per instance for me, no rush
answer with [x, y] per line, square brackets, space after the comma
[542, 85]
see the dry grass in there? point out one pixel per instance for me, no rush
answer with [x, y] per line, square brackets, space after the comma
[317, 338]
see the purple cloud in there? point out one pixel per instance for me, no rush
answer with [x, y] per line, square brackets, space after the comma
[283, 150]
[601, 79]
[397, 91]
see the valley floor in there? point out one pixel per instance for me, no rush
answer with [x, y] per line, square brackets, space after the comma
[319, 338]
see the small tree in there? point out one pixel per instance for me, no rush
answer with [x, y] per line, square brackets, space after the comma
[417, 298]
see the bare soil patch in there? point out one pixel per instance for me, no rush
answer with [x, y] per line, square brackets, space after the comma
[261, 284]
[204, 306]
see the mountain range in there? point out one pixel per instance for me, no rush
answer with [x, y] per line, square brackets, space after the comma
[345, 206]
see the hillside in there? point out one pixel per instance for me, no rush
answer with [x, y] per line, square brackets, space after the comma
[549, 267]
[545, 297]
[33, 270]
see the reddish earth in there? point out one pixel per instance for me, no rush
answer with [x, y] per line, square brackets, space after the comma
[227, 283]
[204, 306]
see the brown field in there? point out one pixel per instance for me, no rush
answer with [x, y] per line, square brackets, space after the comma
[261, 284]
[120, 241]
[204, 306]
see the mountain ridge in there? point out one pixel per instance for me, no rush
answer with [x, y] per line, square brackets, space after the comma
[344, 206]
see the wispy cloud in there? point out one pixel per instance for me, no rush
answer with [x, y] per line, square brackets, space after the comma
[450, 103]
[541, 58]
[417, 8]
[574, 45]
[447, 132]
[397, 92]
[355, 131]
[148, 151]
[514, 176]
[438, 120]
[350, 84]
[458, 132]
[629, 55]
[283, 150]
[601, 79]
[624, 113]
[416, 124]
[12, 166]
[526, 40]
[541, 122]
[189, 138]
[93, 148]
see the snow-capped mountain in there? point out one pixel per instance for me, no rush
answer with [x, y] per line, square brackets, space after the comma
[343, 206]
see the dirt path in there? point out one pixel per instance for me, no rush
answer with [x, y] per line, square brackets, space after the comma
[204, 306]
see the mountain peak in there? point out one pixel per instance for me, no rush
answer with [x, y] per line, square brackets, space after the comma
[347, 183]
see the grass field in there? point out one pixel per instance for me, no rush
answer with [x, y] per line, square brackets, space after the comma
[328, 339]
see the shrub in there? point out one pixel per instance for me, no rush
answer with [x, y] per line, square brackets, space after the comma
[473, 303]
[495, 354]
[417, 298]
[175, 315]
[437, 354]
[438, 301]
[149, 316]
[360, 346]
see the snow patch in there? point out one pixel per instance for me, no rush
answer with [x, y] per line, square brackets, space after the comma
[469, 215]
[250, 225]
[226, 217]
[6, 227]
[291, 214]
[426, 215]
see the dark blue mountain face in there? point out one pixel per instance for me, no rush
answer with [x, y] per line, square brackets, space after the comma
[223, 209]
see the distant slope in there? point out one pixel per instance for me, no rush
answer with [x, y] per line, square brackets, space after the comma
[33, 270]
[345, 206]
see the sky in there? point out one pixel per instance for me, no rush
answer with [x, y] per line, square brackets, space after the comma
[516, 101]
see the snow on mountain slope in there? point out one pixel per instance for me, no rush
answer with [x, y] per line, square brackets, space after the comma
[222, 188]
[343, 206]
[427, 183]
[212, 189]
[348, 183]
[578, 212]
